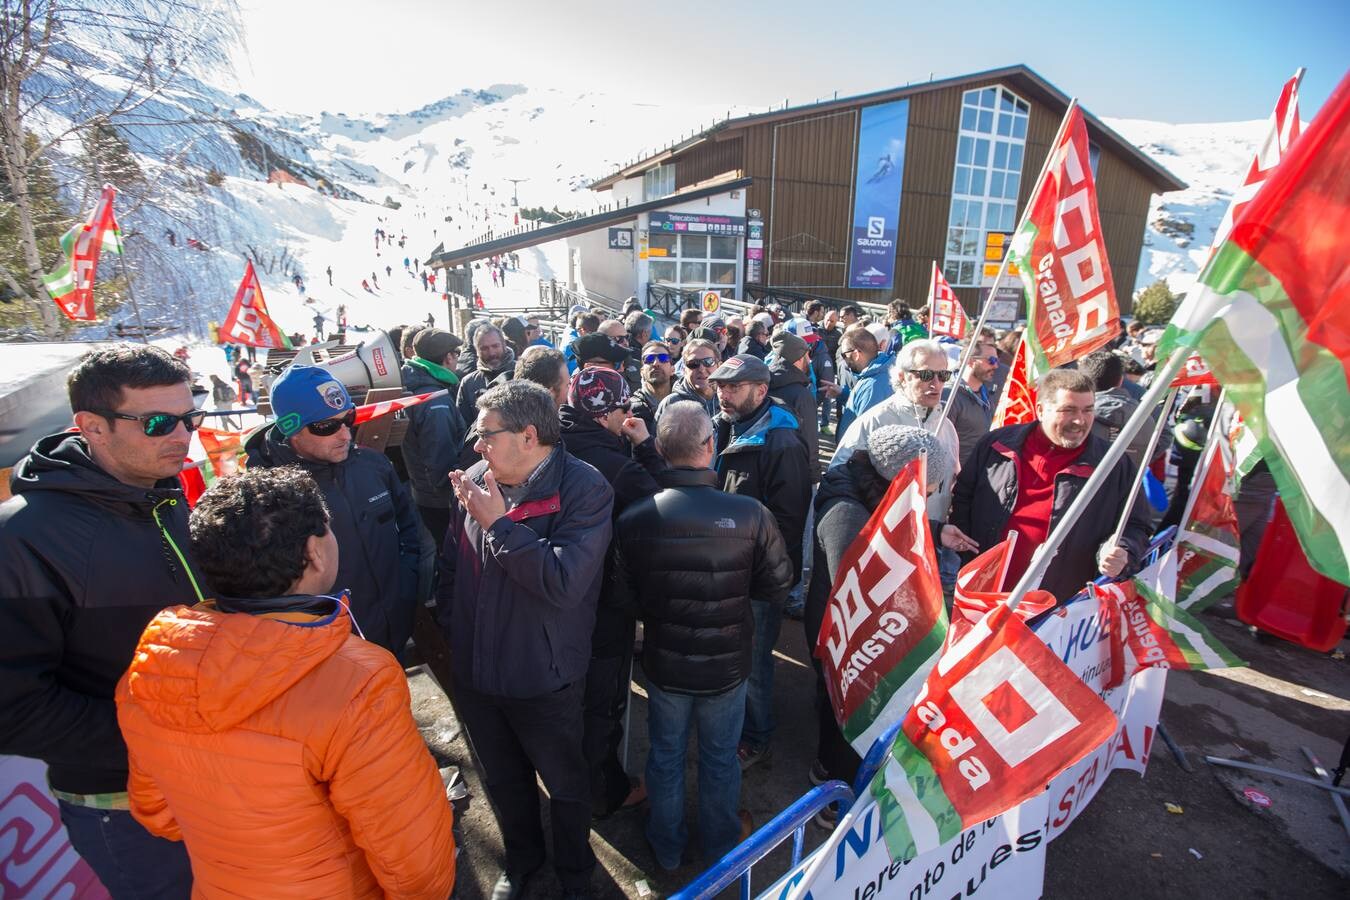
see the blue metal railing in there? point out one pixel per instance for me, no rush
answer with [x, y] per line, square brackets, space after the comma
[791, 821]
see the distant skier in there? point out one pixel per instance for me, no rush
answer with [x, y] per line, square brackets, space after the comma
[424, 281]
[431, 321]
[365, 286]
[318, 325]
[375, 280]
[494, 277]
[407, 263]
[330, 276]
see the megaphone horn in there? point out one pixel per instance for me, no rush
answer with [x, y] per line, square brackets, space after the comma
[371, 366]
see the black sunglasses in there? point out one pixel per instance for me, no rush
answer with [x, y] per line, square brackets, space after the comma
[709, 362]
[930, 374]
[329, 427]
[158, 424]
[656, 358]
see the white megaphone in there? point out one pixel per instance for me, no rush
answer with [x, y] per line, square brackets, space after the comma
[371, 366]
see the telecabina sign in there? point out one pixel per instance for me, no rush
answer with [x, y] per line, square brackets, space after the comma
[1060, 251]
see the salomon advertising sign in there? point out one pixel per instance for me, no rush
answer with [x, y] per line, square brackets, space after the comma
[876, 195]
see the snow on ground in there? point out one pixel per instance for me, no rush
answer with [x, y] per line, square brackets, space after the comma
[1212, 159]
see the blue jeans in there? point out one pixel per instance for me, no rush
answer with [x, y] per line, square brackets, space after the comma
[949, 566]
[759, 722]
[669, 717]
[131, 862]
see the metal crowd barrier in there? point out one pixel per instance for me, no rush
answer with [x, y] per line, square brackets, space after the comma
[792, 821]
[739, 862]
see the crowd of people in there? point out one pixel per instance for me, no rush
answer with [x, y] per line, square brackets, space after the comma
[218, 694]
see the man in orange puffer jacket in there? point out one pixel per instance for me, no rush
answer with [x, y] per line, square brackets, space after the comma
[275, 743]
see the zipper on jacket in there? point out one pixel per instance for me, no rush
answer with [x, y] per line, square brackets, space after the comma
[164, 533]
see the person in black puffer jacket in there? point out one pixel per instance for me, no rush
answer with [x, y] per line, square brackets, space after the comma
[690, 559]
[598, 429]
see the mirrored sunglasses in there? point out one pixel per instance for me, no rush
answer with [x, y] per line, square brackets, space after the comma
[158, 424]
[656, 358]
[930, 374]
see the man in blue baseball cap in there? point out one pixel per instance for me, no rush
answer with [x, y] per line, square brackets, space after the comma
[373, 516]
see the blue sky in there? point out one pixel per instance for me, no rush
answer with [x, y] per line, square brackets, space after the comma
[1177, 61]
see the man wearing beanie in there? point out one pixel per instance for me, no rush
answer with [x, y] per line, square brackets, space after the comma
[790, 383]
[373, 517]
[847, 497]
[599, 429]
[761, 454]
[436, 430]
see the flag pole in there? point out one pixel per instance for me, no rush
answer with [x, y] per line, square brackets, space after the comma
[1165, 413]
[131, 295]
[1040, 561]
[973, 338]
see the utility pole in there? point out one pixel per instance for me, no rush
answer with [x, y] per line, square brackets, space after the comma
[515, 195]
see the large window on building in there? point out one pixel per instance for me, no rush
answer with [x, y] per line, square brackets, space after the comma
[693, 262]
[658, 182]
[989, 149]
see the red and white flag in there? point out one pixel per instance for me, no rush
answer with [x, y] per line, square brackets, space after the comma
[368, 411]
[946, 315]
[999, 717]
[1017, 403]
[71, 284]
[1195, 373]
[1284, 126]
[980, 587]
[1061, 254]
[248, 321]
[885, 622]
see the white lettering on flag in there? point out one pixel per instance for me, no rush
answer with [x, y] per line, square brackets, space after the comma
[1051, 720]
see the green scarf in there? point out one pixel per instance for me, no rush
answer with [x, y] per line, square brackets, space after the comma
[439, 372]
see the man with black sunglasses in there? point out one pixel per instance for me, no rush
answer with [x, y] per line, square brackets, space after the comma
[92, 546]
[700, 358]
[373, 516]
[919, 373]
[658, 371]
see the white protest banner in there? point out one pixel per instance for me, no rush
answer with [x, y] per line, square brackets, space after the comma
[1005, 857]
[36, 858]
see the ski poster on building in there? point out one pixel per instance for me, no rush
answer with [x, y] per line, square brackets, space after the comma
[876, 195]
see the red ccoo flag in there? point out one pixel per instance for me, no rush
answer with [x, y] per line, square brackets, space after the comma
[945, 313]
[1061, 254]
[248, 321]
[980, 587]
[1017, 405]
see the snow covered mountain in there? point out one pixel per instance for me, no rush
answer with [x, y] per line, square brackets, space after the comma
[1212, 159]
[299, 194]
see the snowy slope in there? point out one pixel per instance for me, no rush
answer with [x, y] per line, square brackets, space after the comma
[1212, 159]
[448, 166]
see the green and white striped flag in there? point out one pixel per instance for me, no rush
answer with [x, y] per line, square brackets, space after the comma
[1271, 313]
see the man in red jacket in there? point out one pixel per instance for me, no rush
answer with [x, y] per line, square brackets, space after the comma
[1023, 478]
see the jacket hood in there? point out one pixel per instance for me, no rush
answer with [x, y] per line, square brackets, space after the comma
[878, 367]
[1113, 407]
[782, 374]
[421, 376]
[61, 462]
[199, 670]
[574, 420]
[775, 417]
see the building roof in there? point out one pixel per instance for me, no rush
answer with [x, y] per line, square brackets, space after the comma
[528, 237]
[1019, 75]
